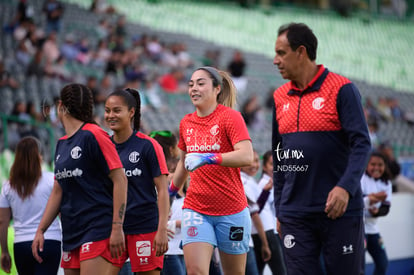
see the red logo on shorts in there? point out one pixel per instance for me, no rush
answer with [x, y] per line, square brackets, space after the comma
[192, 231]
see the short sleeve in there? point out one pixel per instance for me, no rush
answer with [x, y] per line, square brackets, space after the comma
[4, 202]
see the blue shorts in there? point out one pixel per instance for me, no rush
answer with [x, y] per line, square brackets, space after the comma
[230, 233]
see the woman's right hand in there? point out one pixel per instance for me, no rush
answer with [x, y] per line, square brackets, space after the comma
[5, 261]
[37, 245]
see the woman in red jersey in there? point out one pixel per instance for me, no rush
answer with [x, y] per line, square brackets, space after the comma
[214, 143]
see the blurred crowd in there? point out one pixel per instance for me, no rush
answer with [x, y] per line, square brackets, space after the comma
[116, 58]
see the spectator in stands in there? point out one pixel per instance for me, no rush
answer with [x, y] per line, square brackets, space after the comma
[6, 79]
[54, 11]
[101, 55]
[319, 158]
[173, 82]
[36, 67]
[253, 114]
[211, 58]
[397, 112]
[85, 53]
[50, 48]
[247, 174]
[102, 7]
[23, 199]
[114, 64]
[32, 111]
[151, 90]
[134, 72]
[392, 164]
[237, 68]
[269, 101]
[93, 84]
[106, 85]
[373, 130]
[154, 48]
[103, 29]
[68, 48]
[185, 59]
[377, 191]
[384, 109]
[24, 12]
[22, 30]
[134, 75]
[89, 192]
[176, 55]
[23, 127]
[371, 111]
[120, 26]
[268, 216]
[144, 162]
[23, 56]
[58, 70]
[169, 56]
[213, 143]
[33, 40]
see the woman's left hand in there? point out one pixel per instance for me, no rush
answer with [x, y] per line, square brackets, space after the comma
[160, 242]
[117, 241]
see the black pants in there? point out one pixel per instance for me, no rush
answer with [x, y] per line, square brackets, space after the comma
[26, 264]
[276, 262]
[340, 241]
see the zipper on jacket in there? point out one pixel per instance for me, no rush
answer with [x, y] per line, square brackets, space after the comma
[297, 119]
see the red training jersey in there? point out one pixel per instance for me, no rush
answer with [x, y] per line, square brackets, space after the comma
[214, 189]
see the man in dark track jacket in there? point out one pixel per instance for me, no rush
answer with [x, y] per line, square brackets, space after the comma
[320, 147]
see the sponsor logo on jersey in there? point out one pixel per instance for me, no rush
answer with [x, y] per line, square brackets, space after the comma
[130, 173]
[76, 152]
[285, 107]
[134, 157]
[143, 248]
[288, 241]
[68, 173]
[214, 130]
[203, 147]
[202, 143]
[318, 103]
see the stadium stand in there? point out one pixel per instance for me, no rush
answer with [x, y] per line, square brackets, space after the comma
[373, 52]
[374, 55]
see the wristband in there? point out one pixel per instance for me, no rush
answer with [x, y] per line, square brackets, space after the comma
[172, 189]
[215, 158]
